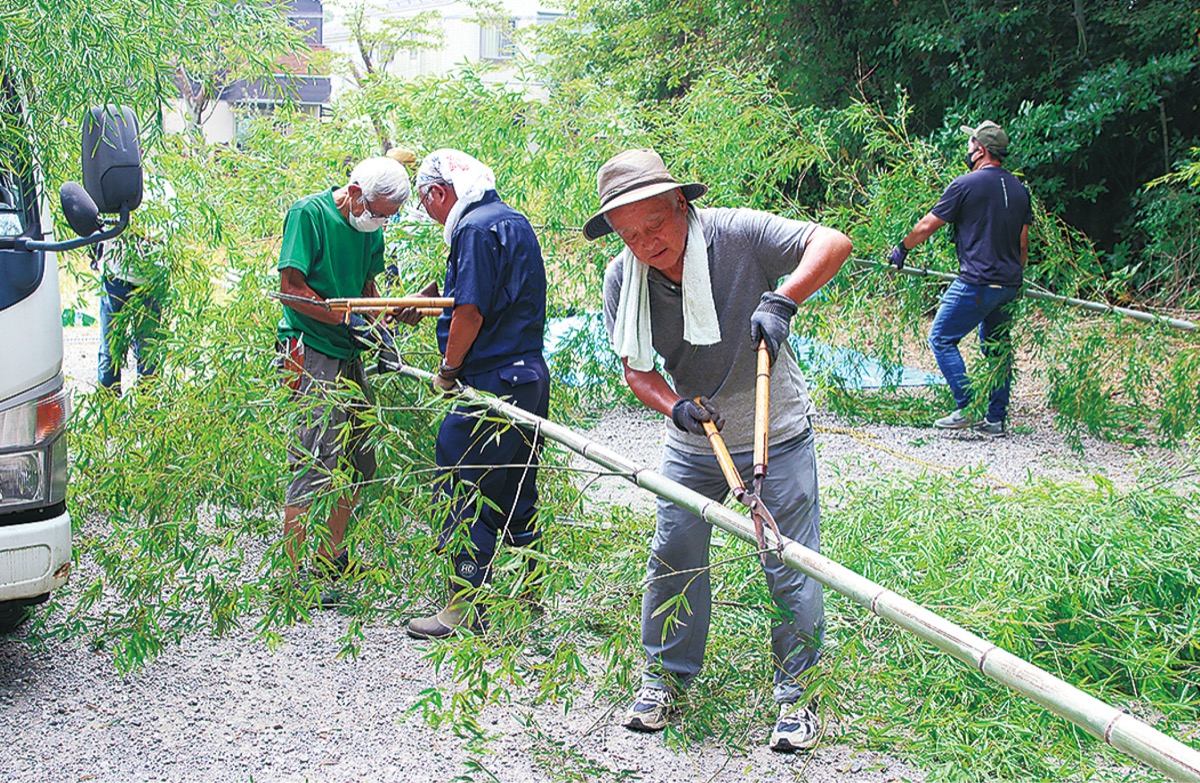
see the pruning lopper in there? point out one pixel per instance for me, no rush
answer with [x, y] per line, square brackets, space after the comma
[752, 499]
[290, 299]
[426, 306]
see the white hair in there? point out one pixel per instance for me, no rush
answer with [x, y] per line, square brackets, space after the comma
[382, 178]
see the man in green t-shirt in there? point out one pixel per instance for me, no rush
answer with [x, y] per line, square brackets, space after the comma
[332, 248]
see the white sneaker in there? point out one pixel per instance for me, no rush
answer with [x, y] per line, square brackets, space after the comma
[798, 728]
[955, 421]
[651, 709]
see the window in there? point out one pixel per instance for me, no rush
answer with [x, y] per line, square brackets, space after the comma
[496, 40]
[11, 223]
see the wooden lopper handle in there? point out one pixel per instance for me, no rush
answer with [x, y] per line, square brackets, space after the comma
[390, 303]
[723, 458]
[762, 409]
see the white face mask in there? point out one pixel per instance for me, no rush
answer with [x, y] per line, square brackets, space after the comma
[365, 222]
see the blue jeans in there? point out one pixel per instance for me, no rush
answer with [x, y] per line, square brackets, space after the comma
[140, 322]
[964, 307]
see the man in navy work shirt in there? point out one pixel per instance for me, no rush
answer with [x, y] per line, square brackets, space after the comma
[991, 211]
[492, 341]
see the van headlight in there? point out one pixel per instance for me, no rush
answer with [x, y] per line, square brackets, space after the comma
[33, 452]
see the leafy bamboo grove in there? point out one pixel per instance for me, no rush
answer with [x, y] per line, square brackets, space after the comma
[177, 487]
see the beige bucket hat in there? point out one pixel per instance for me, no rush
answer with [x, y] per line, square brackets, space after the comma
[632, 176]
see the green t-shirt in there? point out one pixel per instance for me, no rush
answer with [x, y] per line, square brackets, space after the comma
[337, 261]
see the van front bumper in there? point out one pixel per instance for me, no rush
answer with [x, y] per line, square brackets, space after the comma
[35, 557]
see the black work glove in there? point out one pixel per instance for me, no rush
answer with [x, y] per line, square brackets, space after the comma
[362, 336]
[367, 336]
[772, 322]
[690, 415]
[897, 256]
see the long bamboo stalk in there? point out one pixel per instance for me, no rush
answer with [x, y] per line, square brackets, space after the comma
[1118, 729]
[1096, 307]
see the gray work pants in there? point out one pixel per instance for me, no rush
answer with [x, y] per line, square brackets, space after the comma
[674, 640]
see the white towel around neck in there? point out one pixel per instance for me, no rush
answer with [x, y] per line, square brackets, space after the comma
[632, 338]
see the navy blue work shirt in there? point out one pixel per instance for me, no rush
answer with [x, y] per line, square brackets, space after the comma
[988, 208]
[496, 264]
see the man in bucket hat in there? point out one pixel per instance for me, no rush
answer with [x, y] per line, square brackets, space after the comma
[700, 289]
[991, 212]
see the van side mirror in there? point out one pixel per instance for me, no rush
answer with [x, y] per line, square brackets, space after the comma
[112, 180]
[80, 209]
[112, 159]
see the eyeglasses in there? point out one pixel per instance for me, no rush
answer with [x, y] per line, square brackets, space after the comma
[423, 196]
[372, 213]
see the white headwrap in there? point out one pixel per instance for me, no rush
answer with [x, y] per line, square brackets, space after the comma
[469, 178]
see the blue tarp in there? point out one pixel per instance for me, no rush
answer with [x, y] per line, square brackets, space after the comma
[592, 358]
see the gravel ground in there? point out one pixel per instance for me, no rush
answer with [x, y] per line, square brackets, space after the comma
[230, 710]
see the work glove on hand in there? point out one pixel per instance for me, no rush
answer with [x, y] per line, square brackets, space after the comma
[362, 334]
[367, 336]
[690, 415]
[445, 382]
[772, 322]
[897, 256]
[406, 315]
[409, 315]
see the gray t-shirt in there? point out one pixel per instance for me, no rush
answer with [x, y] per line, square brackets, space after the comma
[748, 252]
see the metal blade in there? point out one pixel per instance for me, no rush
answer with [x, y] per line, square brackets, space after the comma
[290, 299]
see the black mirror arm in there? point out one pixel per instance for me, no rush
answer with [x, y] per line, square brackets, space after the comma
[21, 243]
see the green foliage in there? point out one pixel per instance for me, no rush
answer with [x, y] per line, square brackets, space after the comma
[1168, 235]
[1097, 96]
[1098, 586]
[650, 50]
[67, 56]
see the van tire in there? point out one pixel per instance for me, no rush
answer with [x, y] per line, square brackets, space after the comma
[13, 615]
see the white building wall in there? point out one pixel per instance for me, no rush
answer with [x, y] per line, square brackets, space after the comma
[462, 36]
[218, 126]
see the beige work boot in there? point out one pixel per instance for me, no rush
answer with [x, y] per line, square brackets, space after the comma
[458, 613]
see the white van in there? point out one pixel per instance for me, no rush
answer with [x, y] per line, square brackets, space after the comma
[35, 529]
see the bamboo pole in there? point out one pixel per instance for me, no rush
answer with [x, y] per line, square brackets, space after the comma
[1096, 307]
[1119, 729]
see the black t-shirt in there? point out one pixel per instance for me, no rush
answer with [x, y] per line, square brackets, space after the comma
[988, 207]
